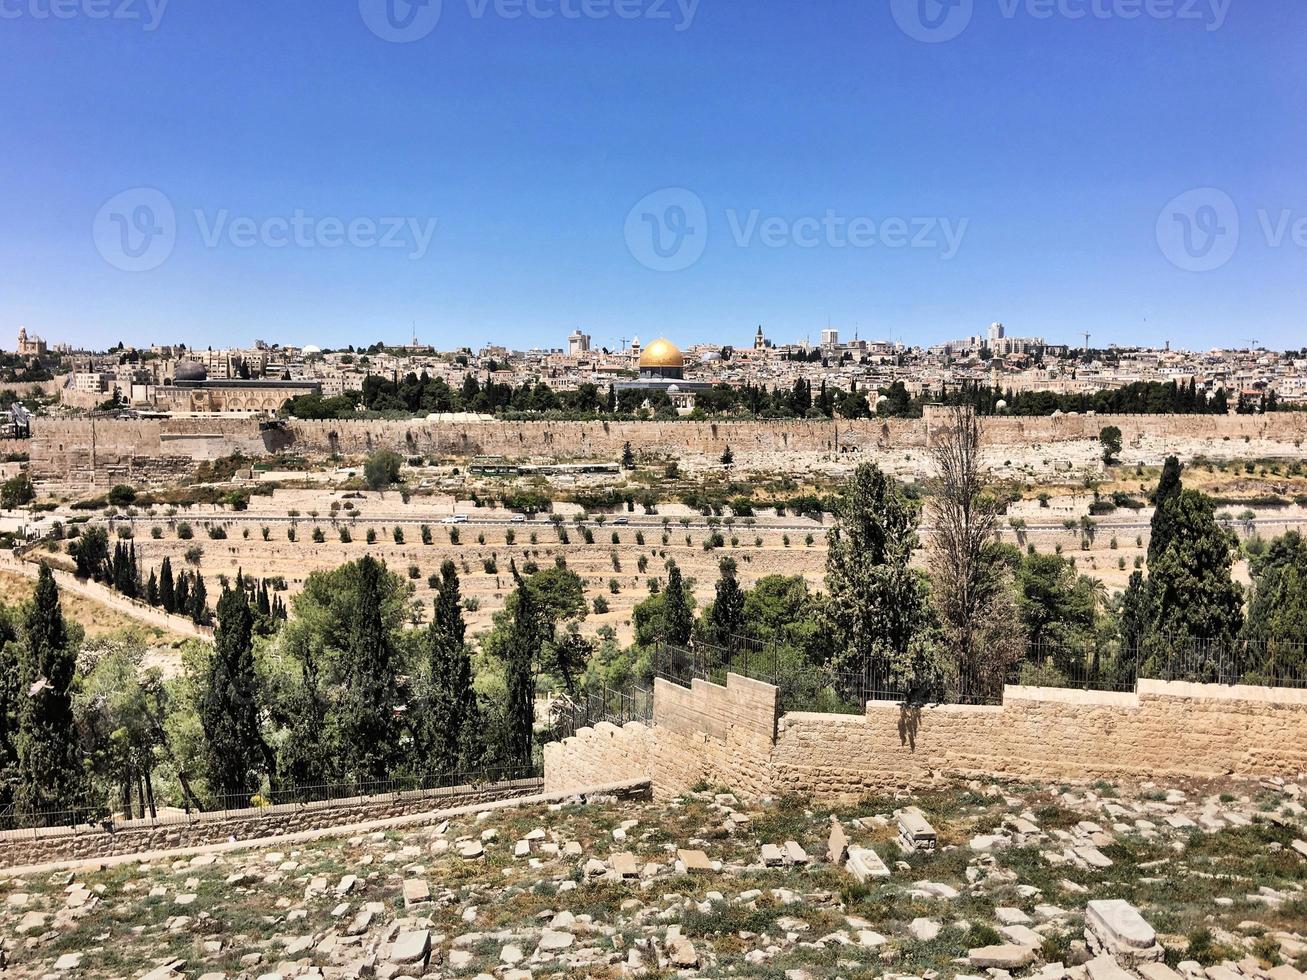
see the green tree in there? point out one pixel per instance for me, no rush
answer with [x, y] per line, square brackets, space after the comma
[1277, 611]
[235, 752]
[315, 701]
[121, 707]
[628, 457]
[1110, 437]
[678, 619]
[50, 775]
[167, 598]
[16, 491]
[9, 701]
[381, 469]
[1192, 594]
[1168, 489]
[725, 617]
[521, 643]
[91, 553]
[453, 730]
[367, 732]
[878, 611]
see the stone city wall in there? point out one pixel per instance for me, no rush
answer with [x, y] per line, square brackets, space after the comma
[100, 452]
[715, 734]
[22, 847]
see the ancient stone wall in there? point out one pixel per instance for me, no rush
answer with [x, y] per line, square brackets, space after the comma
[22, 847]
[718, 735]
[99, 452]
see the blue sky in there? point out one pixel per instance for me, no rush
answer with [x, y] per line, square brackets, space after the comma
[1035, 159]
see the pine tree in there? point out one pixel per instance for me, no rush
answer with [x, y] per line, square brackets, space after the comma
[235, 752]
[452, 717]
[167, 598]
[628, 457]
[50, 775]
[368, 733]
[677, 615]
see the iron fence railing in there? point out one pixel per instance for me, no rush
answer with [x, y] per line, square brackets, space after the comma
[272, 801]
[593, 705]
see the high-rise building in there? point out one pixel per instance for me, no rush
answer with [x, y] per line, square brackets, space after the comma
[578, 343]
[830, 337]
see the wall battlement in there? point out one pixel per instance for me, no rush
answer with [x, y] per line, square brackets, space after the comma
[719, 735]
[100, 452]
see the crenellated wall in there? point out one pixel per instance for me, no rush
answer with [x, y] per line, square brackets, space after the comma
[720, 735]
[100, 452]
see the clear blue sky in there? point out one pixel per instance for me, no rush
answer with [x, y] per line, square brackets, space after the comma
[1058, 140]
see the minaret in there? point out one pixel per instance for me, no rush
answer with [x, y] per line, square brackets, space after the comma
[759, 341]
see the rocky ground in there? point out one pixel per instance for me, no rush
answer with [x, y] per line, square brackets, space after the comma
[1201, 882]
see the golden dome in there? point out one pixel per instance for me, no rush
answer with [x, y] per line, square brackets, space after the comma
[662, 353]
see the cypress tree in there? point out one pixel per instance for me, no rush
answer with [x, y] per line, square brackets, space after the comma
[167, 598]
[152, 590]
[49, 768]
[229, 704]
[365, 716]
[452, 723]
[182, 596]
[525, 637]
[1168, 490]
[727, 616]
[197, 605]
[677, 615]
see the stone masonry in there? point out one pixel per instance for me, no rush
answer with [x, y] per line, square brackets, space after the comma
[720, 735]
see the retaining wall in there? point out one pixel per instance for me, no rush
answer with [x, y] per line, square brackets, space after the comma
[101, 452]
[717, 734]
[21, 847]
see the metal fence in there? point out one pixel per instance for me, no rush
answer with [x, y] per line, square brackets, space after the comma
[594, 705]
[1098, 666]
[275, 801]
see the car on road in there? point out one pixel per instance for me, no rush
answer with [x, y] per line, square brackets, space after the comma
[621, 520]
[519, 518]
[455, 519]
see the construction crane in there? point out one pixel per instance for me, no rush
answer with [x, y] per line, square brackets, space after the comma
[1086, 335]
[1251, 342]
